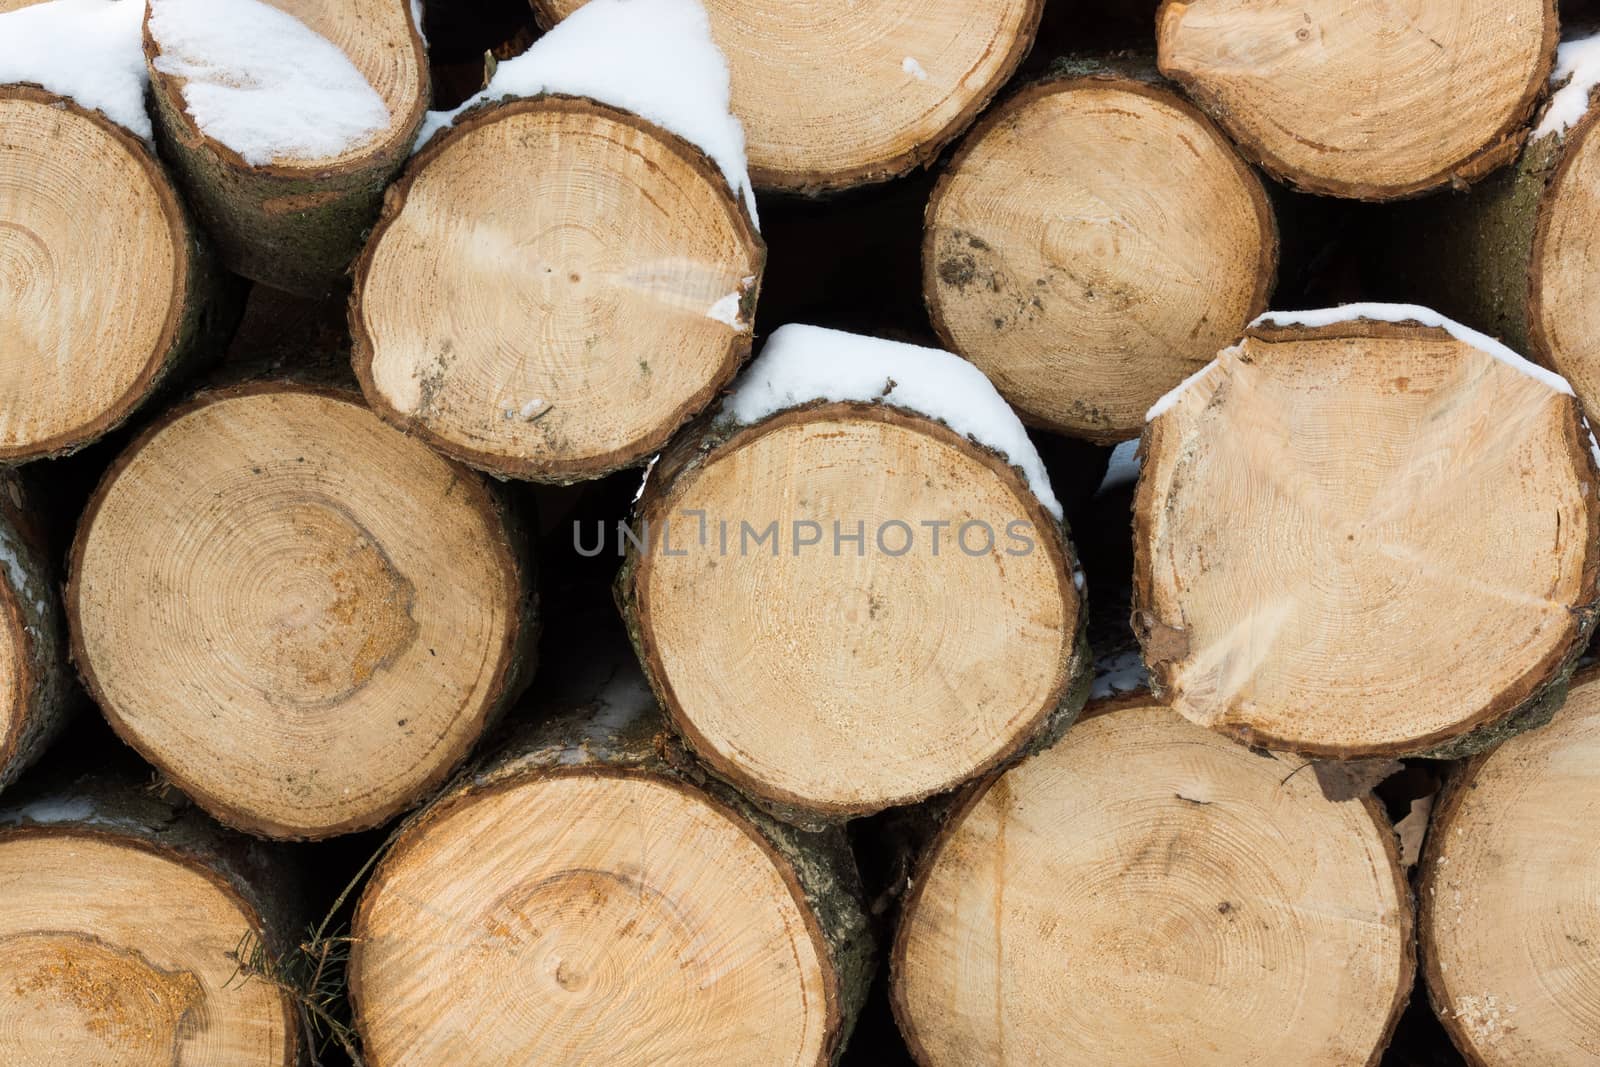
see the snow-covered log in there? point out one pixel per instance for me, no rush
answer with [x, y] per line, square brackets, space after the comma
[1366, 532]
[833, 98]
[1515, 256]
[1507, 922]
[1145, 892]
[298, 614]
[36, 692]
[586, 897]
[101, 306]
[588, 234]
[285, 120]
[852, 588]
[1370, 100]
[130, 920]
[1094, 241]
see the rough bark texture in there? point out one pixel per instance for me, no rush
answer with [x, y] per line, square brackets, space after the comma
[30, 604]
[1469, 253]
[204, 312]
[693, 448]
[596, 736]
[291, 228]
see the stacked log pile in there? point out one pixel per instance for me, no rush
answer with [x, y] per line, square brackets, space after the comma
[635, 532]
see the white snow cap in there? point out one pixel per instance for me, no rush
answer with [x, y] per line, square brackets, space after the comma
[1397, 313]
[1123, 468]
[654, 58]
[263, 83]
[91, 51]
[801, 364]
[1578, 65]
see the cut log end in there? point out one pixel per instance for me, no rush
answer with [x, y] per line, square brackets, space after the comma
[1118, 898]
[593, 286]
[292, 221]
[258, 609]
[1363, 540]
[1376, 103]
[113, 950]
[841, 677]
[378, 38]
[1094, 242]
[1563, 316]
[1508, 922]
[583, 916]
[66, 378]
[831, 99]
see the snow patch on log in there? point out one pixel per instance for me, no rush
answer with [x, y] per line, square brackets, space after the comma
[1123, 672]
[1395, 313]
[263, 83]
[803, 364]
[90, 51]
[1422, 316]
[654, 58]
[1578, 66]
[57, 809]
[1123, 468]
[1160, 407]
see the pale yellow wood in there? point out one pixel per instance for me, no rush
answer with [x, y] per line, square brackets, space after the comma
[587, 918]
[114, 954]
[302, 616]
[1146, 894]
[14, 703]
[1566, 267]
[1370, 98]
[88, 298]
[590, 286]
[849, 681]
[1093, 244]
[1510, 897]
[1362, 540]
[832, 94]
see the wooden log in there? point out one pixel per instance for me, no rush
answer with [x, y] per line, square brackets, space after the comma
[36, 691]
[628, 308]
[1094, 241]
[101, 307]
[302, 617]
[1514, 256]
[586, 898]
[1357, 535]
[125, 913]
[296, 223]
[829, 677]
[833, 99]
[1508, 923]
[1372, 100]
[1146, 893]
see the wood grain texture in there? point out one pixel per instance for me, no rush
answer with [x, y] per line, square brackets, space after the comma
[1365, 540]
[593, 285]
[342, 610]
[1370, 100]
[1145, 893]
